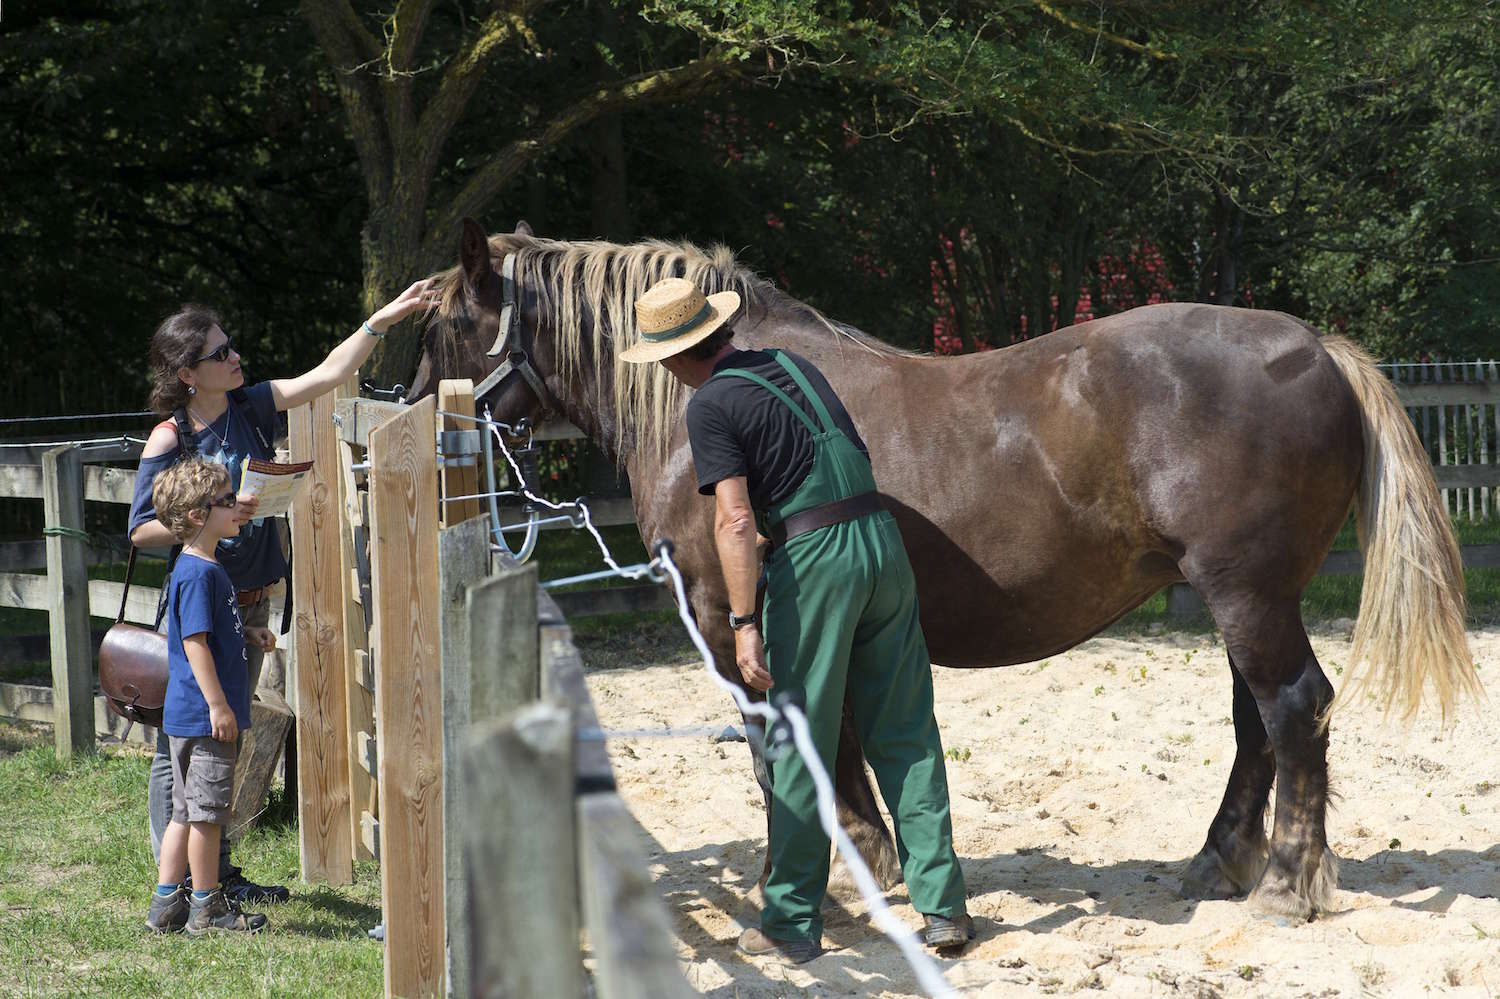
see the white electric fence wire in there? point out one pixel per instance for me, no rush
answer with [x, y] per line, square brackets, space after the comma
[629, 572]
[123, 442]
[927, 973]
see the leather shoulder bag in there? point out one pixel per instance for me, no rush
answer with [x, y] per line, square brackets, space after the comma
[133, 665]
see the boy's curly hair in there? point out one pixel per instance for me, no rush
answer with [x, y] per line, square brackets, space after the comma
[189, 485]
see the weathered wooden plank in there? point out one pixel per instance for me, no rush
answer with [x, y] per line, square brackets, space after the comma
[409, 698]
[68, 604]
[463, 559]
[116, 450]
[25, 702]
[318, 636]
[1466, 476]
[562, 681]
[457, 396]
[369, 834]
[520, 855]
[260, 749]
[602, 513]
[614, 600]
[20, 556]
[364, 670]
[101, 484]
[502, 613]
[368, 755]
[356, 418]
[627, 921]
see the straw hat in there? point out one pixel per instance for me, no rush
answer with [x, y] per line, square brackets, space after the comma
[673, 315]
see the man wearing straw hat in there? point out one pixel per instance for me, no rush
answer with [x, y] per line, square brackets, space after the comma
[778, 452]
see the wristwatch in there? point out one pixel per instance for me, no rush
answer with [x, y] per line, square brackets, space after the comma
[738, 621]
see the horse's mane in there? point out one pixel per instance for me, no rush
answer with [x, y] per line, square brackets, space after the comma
[593, 285]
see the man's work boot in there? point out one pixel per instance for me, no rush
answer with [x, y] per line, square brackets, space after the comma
[217, 914]
[948, 931]
[757, 944]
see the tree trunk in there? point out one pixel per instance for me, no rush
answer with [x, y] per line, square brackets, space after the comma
[606, 148]
[393, 260]
[611, 208]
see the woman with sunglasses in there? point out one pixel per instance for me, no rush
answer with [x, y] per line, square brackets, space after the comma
[200, 390]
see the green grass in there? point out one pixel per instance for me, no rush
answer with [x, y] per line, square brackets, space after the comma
[75, 880]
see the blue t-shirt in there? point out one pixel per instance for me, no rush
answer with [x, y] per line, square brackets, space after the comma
[200, 598]
[253, 558]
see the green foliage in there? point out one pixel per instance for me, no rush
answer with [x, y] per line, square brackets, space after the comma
[75, 880]
[1336, 160]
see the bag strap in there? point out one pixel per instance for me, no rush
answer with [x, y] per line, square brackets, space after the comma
[129, 571]
[187, 441]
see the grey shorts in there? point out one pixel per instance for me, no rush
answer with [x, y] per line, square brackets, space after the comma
[202, 778]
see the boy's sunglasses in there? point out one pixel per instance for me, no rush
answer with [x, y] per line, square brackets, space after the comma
[222, 354]
[227, 501]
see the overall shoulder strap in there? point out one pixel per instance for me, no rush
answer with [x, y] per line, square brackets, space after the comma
[751, 376]
[806, 386]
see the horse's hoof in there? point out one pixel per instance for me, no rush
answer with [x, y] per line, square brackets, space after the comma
[1205, 879]
[1301, 897]
[1279, 902]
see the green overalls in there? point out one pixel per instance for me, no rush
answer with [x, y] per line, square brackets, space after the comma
[841, 609]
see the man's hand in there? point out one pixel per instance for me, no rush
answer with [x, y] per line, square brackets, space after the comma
[221, 719]
[262, 638]
[750, 655]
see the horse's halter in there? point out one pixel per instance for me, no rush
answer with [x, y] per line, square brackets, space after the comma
[513, 338]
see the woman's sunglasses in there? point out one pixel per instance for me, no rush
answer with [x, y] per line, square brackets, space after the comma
[227, 501]
[222, 354]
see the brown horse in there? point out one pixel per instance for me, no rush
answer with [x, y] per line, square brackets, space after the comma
[1043, 491]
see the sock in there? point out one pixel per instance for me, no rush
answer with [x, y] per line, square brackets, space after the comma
[201, 896]
[166, 890]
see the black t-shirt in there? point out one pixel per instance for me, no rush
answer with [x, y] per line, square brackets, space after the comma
[736, 427]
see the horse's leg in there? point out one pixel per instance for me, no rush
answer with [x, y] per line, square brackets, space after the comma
[1234, 855]
[1269, 647]
[858, 811]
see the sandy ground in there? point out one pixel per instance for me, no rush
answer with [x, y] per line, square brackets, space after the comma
[1081, 787]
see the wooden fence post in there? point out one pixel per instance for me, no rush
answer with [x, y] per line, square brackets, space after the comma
[1183, 602]
[359, 665]
[456, 395]
[463, 558]
[68, 602]
[409, 697]
[627, 919]
[319, 640]
[519, 848]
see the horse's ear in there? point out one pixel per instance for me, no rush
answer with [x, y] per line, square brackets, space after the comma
[474, 253]
[522, 229]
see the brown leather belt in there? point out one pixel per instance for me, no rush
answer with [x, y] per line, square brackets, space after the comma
[850, 508]
[248, 598]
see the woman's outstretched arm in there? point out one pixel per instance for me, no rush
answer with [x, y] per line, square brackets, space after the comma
[346, 358]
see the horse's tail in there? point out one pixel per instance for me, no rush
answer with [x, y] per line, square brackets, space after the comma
[1411, 609]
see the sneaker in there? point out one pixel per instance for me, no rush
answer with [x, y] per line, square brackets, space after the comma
[169, 913]
[757, 944]
[218, 914]
[948, 931]
[238, 889]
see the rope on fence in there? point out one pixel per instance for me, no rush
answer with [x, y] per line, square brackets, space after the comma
[66, 532]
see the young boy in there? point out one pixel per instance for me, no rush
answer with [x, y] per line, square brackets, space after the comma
[208, 700]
